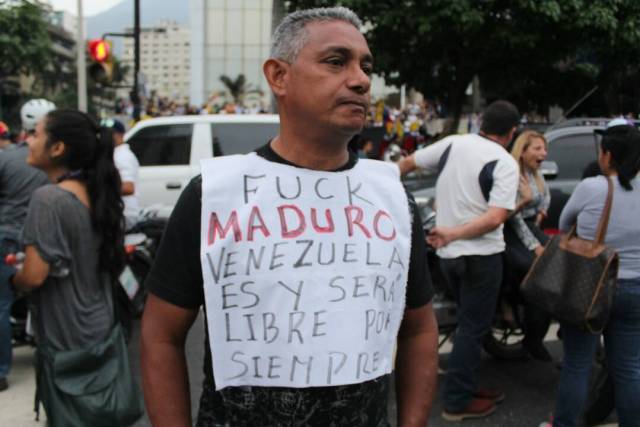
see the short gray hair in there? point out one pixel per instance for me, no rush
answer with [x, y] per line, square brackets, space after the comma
[290, 36]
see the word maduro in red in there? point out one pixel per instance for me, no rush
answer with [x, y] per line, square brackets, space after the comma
[291, 229]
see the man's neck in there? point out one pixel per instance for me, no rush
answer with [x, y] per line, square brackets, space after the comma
[317, 152]
[495, 138]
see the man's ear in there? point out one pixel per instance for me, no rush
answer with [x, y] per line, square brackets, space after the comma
[509, 137]
[277, 73]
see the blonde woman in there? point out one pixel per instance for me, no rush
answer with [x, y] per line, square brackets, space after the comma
[522, 234]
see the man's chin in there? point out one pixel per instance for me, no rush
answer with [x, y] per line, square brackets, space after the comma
[351, 127]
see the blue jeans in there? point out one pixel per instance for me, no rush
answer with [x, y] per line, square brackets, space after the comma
[475, 282]
[7, 245]
[622, 343]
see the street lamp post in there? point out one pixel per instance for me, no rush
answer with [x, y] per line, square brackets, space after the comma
[135, 93]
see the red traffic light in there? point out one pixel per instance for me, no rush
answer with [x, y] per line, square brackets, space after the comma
[99, 50]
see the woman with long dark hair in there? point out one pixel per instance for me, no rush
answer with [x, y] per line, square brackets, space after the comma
[619, 159]
[73, 238]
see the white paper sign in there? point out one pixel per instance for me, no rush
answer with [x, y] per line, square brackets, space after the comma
[304, 271]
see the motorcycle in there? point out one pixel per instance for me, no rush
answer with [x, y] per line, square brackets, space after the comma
[505, 340]
[141, 244]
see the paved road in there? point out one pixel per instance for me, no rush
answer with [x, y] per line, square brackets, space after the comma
[529, 385]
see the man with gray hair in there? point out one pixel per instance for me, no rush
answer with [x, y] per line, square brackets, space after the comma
[309, 262]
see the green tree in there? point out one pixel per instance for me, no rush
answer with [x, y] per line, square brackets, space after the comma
[238, 88]
[615, 47]
[24, 41]
[535, 52]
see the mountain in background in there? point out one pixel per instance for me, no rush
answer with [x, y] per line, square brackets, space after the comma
[120, 17]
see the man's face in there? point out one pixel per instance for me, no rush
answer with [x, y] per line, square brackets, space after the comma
[330, 79]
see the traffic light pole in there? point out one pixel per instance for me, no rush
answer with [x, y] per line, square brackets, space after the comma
[81, 61]
[135, 95]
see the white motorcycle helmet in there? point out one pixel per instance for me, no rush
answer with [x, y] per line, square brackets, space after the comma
[32, 111]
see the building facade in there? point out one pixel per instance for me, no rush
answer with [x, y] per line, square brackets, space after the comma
[230, 37]
[65, 20]
[60, 27]
[164, 60]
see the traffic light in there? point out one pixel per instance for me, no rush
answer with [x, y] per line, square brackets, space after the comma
[101, 68]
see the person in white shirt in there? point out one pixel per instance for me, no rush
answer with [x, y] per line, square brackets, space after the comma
[128, 166]
[476, 188]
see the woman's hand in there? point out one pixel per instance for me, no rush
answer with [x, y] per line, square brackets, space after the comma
[542, 215]
[526, 195]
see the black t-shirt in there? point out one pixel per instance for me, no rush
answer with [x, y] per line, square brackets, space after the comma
[176, 277]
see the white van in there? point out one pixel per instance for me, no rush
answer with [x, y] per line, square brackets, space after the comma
[169, 149]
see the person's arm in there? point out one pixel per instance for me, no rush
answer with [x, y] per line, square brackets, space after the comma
[525, 195]
[542, 213]
[175, 296]
[407, 164]
[45, 245]
[33, 272]
[528, 239]
[488, 221]
[426, 158]
[575, 204]
[165, 378]
[416, 366]
[502, 199]
[522, 203]
[127, 165]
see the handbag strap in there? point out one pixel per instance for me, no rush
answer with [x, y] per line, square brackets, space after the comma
[606, 213]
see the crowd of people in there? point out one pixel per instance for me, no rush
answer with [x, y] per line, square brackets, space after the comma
[307, 258]
[162, 106]
[473, 268]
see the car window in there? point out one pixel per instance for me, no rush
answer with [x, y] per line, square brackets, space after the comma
[241, 138]
[572, 153]
[162, 145]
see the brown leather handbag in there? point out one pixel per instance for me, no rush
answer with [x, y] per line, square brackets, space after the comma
[574, 279]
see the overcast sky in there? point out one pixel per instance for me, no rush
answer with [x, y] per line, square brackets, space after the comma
[90, 7]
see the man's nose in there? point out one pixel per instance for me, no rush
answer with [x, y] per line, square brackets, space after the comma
[359, 81]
